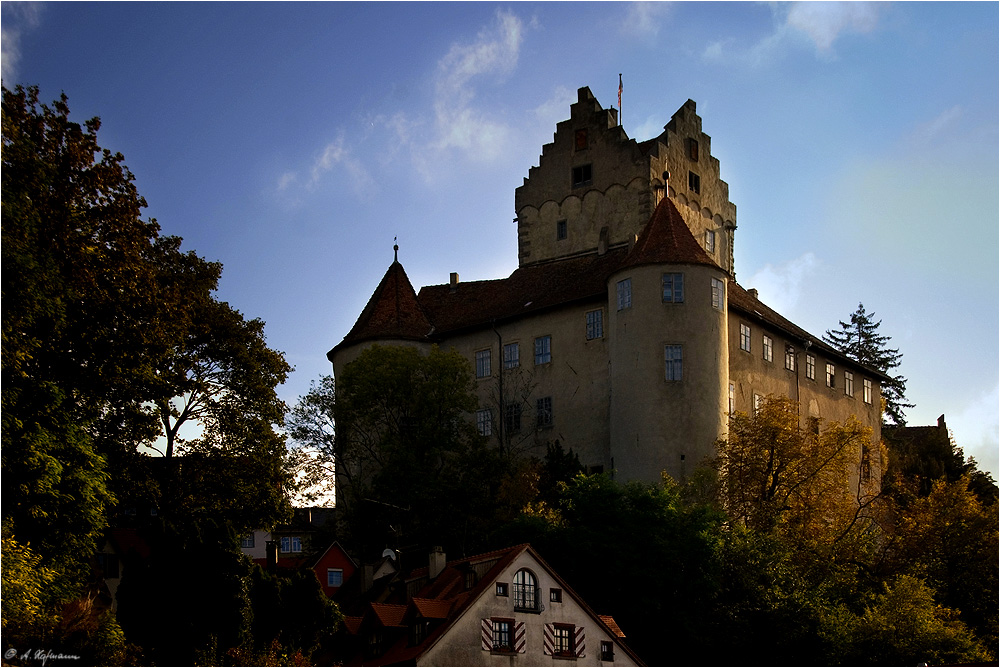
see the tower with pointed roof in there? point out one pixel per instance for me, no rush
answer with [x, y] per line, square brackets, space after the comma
[623, 334]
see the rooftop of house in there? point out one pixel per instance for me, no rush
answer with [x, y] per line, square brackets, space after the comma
[441, 600]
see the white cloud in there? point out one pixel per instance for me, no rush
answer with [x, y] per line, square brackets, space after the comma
[19, 17]
[460, 125]
[824, 22]
[781, 286]
[932, 129]
[642, 19]
[977, 430]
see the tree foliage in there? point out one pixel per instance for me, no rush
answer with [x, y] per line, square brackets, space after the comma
[859, 339]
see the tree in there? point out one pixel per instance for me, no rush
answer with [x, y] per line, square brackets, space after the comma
[312, 428]
[859, 339]
[814, 484]
[409, 462]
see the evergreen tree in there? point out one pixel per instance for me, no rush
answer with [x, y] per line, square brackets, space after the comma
[859, 339]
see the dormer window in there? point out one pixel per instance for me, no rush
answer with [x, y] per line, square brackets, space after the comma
[582, 176]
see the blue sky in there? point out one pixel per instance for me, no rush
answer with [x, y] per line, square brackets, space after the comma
[294, 141]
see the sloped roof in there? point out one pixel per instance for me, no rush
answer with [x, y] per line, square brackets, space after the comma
[445, 598]
[742, 300]
[393, 312]
[667, 239]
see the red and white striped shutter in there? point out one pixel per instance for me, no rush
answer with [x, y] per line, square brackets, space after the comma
[548, 643]
[580, 641]
[487, 633]
[520, 643]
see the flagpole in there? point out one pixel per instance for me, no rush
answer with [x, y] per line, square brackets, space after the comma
[619, 99]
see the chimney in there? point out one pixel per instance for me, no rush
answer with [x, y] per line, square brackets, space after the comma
[453, 280]
[271, 548]
[367, 577]
[752, 292]
[435, 562]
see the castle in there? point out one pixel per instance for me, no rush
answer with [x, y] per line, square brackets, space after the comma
[622, 334]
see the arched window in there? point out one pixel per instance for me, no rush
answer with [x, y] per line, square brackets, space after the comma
[525, 591]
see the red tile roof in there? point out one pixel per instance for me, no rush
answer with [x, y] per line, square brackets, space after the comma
[610, 622]
[389, 614]
[667, 239]
[432, 608]
[392, 312]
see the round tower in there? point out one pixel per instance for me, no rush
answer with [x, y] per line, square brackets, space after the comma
[668, 350]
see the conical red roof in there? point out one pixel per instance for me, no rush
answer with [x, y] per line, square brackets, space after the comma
[393, 311]
[667, 239]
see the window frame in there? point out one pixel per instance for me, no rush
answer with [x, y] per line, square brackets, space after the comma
[484, 363]
[710, 241]
[512, 418]
[543, 412]
[555, 595]
[525, 592]
[718, 294]
[511, 355]
[694, 182]
[672, 283]
[484, 421]
[624, 293]
[502, 589]
[595, 324]
[563, 634]
[767, 349]
[745, 340]
[334, 571]
[790, 358]
[831, 375]
[543, 349]
[673, 361]
[607, 651]
[248, 541]
[848, 383]
[582, 175]
[810, 366]
[867, 390]
[561, 230]
[497, 635]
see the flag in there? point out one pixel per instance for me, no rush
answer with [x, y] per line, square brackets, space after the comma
[619, 93]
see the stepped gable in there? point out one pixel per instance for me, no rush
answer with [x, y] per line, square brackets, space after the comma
[529, 289]
[393, 312]
[667, 239]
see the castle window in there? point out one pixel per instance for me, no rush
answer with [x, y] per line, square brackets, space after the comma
[582, 176]
[849, 383]
[595, 324]
[811, 367]
[624, 293]
[732, 398]
[694, 182]
[511, 356]
[560, 230]
[768, 349]
[544, 412]
[607, 650]
[718, 294]
[484, 422]
[710, 241]
[581, 142]
[744, 337]
[830, 375]
[867, 385]
[512, 418]
[673, 357]
[483, 366]
[692, 148]
[673, 288]
[543, 350]
[790, 358]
